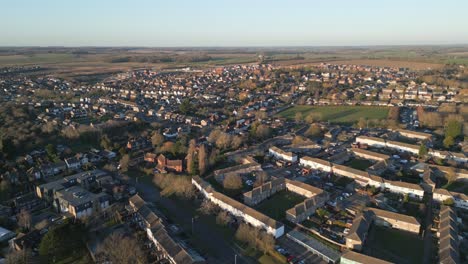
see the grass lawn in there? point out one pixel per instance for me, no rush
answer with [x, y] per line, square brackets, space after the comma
[338, 114]
[457, 186]
[267, 259]
[395, 245]
[359, 164]
[276, 206]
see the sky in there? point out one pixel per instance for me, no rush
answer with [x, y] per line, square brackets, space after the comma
[190, 23]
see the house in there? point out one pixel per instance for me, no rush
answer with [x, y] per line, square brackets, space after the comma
[168, 164]
[448, 236]
[150, 157]
[282, 155]
[246, 213]
[358, 232]
[136, 144]
[169, 249]
[79, 202]
[71, 195]
[53, 169]
[73, 163]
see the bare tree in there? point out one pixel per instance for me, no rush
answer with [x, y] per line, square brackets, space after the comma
[191, 157]
[19, 257]
[261, 178]
[120, 249]
[24, 219]
[232, 181]
[223, 218]
[202, 159]
[207, 207]
[157, 139]
[124, 161]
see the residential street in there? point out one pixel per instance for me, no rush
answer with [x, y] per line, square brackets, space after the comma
[205, 234]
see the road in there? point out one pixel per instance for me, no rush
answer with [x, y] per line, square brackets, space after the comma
[427, 230]
[220, 250]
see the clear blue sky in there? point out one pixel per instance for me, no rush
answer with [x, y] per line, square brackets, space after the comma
[232, 22]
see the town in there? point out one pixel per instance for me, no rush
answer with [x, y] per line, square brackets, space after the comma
[243, 163]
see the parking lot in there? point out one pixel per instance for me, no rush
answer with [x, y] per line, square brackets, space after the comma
[300, 254]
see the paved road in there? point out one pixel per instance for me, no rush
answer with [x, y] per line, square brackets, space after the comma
[220, 250]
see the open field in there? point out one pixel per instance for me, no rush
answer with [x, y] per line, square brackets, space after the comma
[77, 61]
[337, 114]
[397, 246]
[276, 206]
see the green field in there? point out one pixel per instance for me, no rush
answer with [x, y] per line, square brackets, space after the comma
[359, 164]
[457, 186]
[395, 245]
[337, 114]
[276, 206]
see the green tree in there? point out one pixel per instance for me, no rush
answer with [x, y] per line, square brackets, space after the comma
[454, 129]
[8, 147]
[448, 141]
[423, 150]
[185, 107]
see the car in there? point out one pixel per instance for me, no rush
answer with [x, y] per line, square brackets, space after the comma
[290, 259]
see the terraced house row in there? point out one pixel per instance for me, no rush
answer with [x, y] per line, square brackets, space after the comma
[248, 214]
[315, 197]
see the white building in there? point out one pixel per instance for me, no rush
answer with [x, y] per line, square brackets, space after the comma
[282, 155]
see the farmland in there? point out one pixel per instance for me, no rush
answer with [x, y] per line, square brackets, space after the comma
[337, 114]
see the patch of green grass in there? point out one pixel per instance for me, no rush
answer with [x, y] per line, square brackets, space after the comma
[391, 243]
[457, 186]
[337, 114]
[359, 164]
[276, 206]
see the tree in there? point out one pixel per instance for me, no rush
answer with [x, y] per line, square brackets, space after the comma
[232, 182]
[19, 257]
[449, 202]
[448, 141]
[223, 141]
[298, 117]
[124, 162]
[236, 142]
[454, 128]
[362, 123]
[191, 169]
[202, 159]
[313, 117]
[450, 175]
[261, 178]
[5, 189]
[223, 218]
[422, 150]
[314, 131]
[185, 107]
[171, 184]
[207, 207]
[105, 142]
[120, 249]
[157, 139]
[24, 219]
[8, 147]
